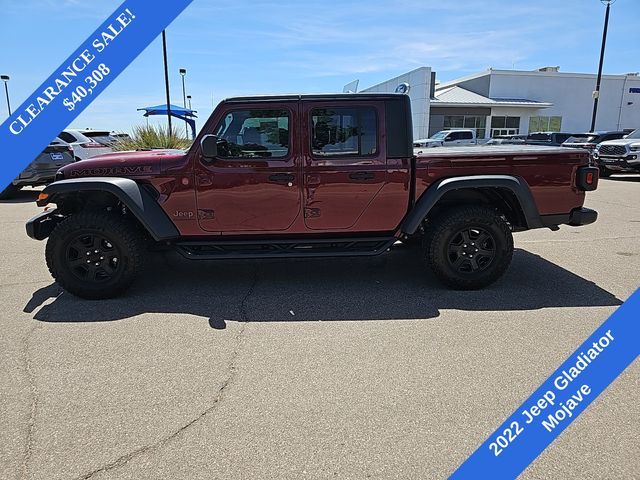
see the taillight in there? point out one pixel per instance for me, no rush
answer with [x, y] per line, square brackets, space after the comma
[587, 178]
[91, 145]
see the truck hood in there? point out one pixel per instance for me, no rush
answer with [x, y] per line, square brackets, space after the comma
[141, 163]
[621, 141]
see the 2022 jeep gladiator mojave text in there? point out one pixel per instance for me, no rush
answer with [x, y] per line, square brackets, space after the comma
[306, 176]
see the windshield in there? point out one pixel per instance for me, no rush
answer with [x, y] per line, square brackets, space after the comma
[439, 135]
[634, 134]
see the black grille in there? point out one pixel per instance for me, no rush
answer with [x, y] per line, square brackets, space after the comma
[612, 150]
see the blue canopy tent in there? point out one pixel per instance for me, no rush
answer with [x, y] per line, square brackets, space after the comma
[181, 113]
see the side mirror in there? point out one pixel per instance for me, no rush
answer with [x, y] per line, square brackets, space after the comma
[209, 146]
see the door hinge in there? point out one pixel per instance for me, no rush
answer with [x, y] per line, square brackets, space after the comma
[311, 212]
[206, 214]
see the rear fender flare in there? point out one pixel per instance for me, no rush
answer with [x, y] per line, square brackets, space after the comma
[138, 201]
[435, 192]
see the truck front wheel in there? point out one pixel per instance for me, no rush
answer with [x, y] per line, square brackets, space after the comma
[95, 255]
[469, 247]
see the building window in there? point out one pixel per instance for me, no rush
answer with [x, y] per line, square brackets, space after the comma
[476, 123]
[505, 126]
[344, 131]
[545, 124]
[254, 133]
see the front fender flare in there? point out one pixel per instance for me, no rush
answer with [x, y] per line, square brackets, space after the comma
[138, 201]
[436, 191]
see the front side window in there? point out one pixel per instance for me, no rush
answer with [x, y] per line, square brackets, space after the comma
[344, 131]
[254, 134]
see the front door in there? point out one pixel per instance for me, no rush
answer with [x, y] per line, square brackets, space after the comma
[254, 183]
[344, 165]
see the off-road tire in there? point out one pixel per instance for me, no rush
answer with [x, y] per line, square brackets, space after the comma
[443, 245]
[119, 253]
[10, 191]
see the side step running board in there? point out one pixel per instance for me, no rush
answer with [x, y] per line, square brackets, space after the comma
[336, 247]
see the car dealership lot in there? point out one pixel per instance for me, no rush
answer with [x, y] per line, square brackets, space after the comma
[346, 368]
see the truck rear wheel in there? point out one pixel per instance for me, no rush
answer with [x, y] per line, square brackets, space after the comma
[95, 255]
[469, 247]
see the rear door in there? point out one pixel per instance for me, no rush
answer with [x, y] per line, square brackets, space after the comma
[344, 161]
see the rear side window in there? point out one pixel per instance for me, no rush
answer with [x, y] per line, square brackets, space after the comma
[466, 135]
[67, 137]
[344, 132]
[104, 138]
[254, 134]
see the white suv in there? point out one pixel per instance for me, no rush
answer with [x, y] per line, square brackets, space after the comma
[88, 143]
[621, 155]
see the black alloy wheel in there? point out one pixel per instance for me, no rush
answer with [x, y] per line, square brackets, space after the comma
[93, 257]
[471, 250]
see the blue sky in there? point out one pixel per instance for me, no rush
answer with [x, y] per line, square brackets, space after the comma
[267, 46]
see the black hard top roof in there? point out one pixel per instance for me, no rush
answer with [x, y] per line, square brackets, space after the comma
[317, 96]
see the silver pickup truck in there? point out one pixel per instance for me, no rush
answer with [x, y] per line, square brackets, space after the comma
[621, 155]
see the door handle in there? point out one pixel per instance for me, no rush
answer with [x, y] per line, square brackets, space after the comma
[281, 178]
[361, 176]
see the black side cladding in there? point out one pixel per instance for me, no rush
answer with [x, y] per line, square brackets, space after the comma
[140, 202]
[399, 127]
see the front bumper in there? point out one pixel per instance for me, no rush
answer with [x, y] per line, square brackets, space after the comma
[625, 162]
[41, 226]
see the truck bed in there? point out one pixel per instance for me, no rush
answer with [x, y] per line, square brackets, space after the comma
[491, 150]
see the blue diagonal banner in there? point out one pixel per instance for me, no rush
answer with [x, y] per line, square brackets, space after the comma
[80, 79]
[560, 399]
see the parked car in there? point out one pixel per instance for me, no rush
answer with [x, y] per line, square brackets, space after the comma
[554, 139]
[306, 176]
[590, 141]
[507, 140]
[622, 155]
[448, 138]
[88, 143]
[42, 170]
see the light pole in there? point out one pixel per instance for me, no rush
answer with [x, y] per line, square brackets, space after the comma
[183, 73]
[189, 100]
[166, 79]
[5, 79]
[596, 93]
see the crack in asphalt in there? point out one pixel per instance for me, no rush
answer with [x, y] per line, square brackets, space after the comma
[33, 389]
[124, 459]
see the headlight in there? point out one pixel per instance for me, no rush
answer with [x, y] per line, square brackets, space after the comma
[635, 148]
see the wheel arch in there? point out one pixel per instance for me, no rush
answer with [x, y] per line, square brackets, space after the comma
[74, 195]
[509, 194]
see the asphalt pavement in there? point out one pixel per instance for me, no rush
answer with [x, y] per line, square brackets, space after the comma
[332, 368]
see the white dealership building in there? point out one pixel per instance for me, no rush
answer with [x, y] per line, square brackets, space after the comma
[501, 102]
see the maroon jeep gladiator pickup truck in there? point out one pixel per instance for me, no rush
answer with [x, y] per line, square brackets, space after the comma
[306, 176]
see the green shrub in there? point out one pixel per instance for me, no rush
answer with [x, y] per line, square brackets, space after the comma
[149, 137]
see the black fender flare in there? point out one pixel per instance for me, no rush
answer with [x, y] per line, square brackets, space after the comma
[138, 201]
[436, 191]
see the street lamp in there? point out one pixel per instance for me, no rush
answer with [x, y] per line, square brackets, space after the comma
[189, 100]
[166, 79]
[596, 93]
[183, 73]
[5, 79]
